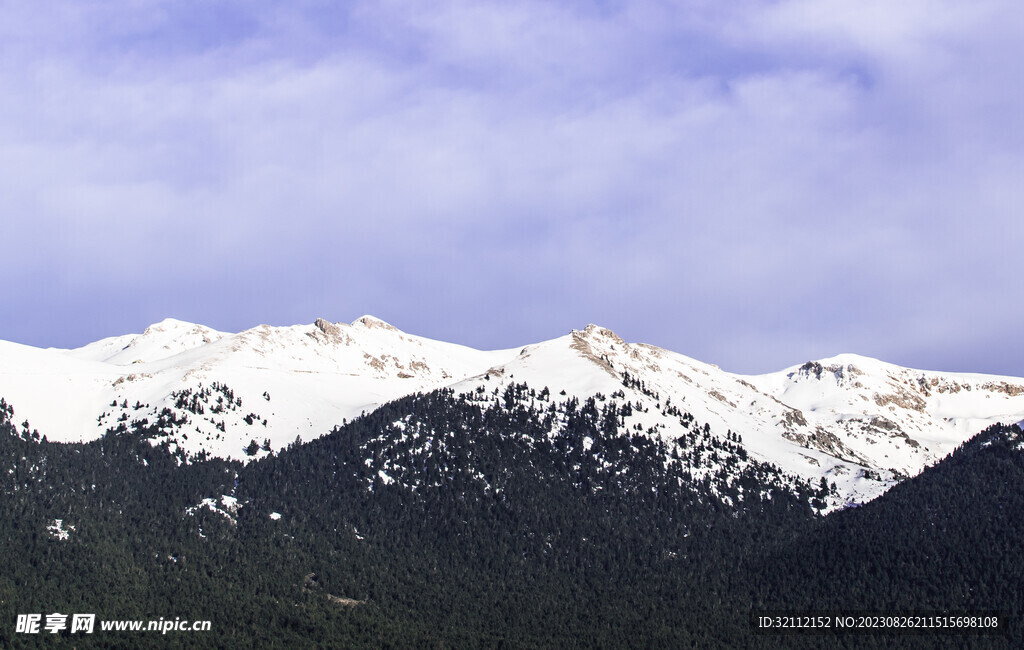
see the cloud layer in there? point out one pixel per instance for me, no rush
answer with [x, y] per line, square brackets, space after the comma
[751, 183]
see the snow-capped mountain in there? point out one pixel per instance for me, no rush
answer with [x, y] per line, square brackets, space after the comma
[159, 341]
[858, 422]
[275, 383]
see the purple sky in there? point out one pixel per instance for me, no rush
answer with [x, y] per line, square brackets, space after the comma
[751, 183]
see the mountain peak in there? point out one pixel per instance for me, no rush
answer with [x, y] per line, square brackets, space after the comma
[325, 325]
[169, 324]
[848, 358]
[592, 331]
[332, 332]
[371, 322]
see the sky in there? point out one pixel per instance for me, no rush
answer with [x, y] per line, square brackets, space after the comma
[752, 183]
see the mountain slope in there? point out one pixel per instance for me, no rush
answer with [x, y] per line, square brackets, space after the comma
[950, 540]
[491, 525]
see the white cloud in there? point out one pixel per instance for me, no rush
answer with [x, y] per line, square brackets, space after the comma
[790, 171]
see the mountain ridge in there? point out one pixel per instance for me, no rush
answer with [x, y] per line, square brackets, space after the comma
[858, 422]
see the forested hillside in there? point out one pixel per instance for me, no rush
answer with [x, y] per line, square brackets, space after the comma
[442, 520]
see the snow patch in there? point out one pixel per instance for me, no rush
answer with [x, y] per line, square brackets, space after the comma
[226, 506]
[58, 531]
